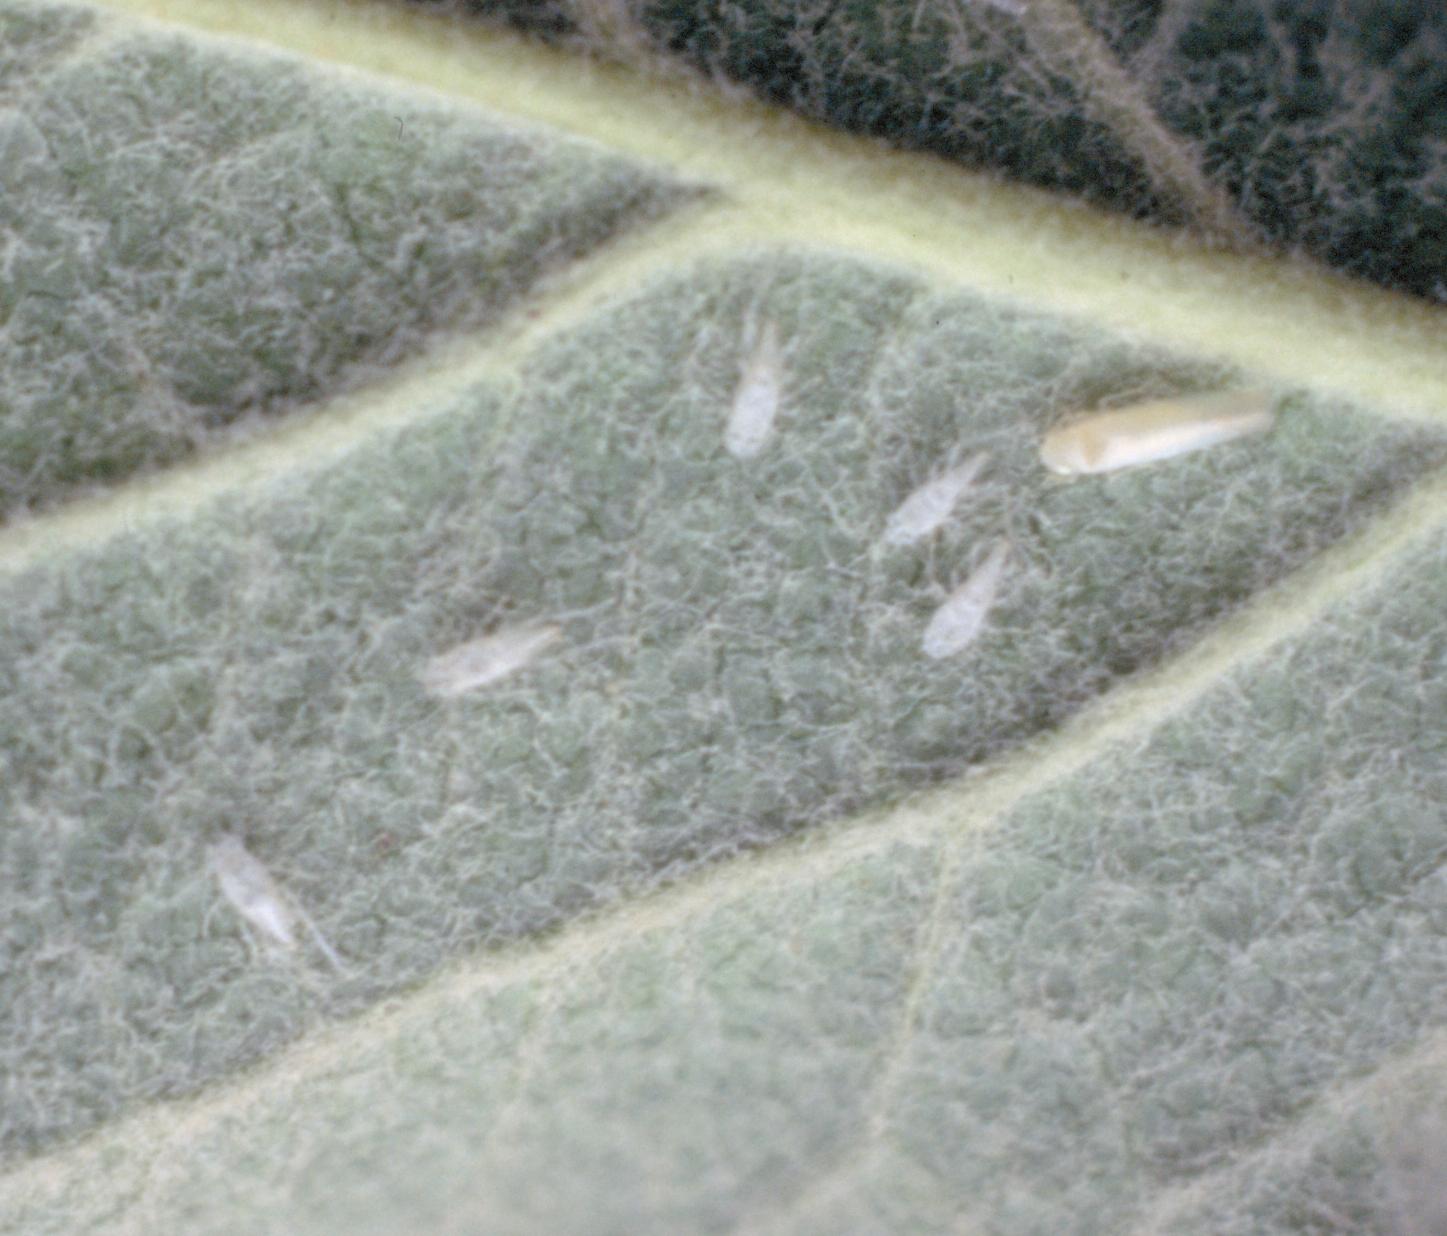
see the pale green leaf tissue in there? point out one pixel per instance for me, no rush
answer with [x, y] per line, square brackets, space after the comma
[732, 910]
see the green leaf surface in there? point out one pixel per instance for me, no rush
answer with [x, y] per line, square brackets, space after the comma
[198, 235]
[735, 906]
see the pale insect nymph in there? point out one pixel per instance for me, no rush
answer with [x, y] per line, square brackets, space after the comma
[481, 662]
[756, 398]
[257, 897]
[931, 504]
[1159, 429]
[957, 623]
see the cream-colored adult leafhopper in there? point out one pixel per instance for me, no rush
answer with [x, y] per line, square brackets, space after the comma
[1160, 429]
[481, 662]
[958, 622]
[260, 901]
[756, 399]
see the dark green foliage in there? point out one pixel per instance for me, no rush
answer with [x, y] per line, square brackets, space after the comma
[551, 19]
[1325, 120]
[1328, 121]
[968, 90]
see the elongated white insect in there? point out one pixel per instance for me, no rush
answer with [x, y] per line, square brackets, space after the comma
[756, 398]
[958, 622]
[248, 886]
[931, 504]
[1160, 429]
[481, 662]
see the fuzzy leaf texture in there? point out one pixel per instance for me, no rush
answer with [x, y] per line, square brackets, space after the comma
[549, 687]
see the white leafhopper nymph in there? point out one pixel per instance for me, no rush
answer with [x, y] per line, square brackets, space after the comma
[1160, 429]
[931, 504]
[756, 398]
[958, 622]
[481, 662]
[248, 886]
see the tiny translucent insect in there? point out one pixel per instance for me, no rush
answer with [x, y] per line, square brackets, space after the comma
[931, 504]
[248, 886]
[756, 398]
[1160, 429]
[958, 622]
[481, 662]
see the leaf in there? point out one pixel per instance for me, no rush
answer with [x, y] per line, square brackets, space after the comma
[732, 909]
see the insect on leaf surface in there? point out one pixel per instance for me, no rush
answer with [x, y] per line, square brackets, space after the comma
[252, 892]
[1160, 429]
[756, 398]
[481, 662]
[931, 504]
[958, 622]
[248, 886]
